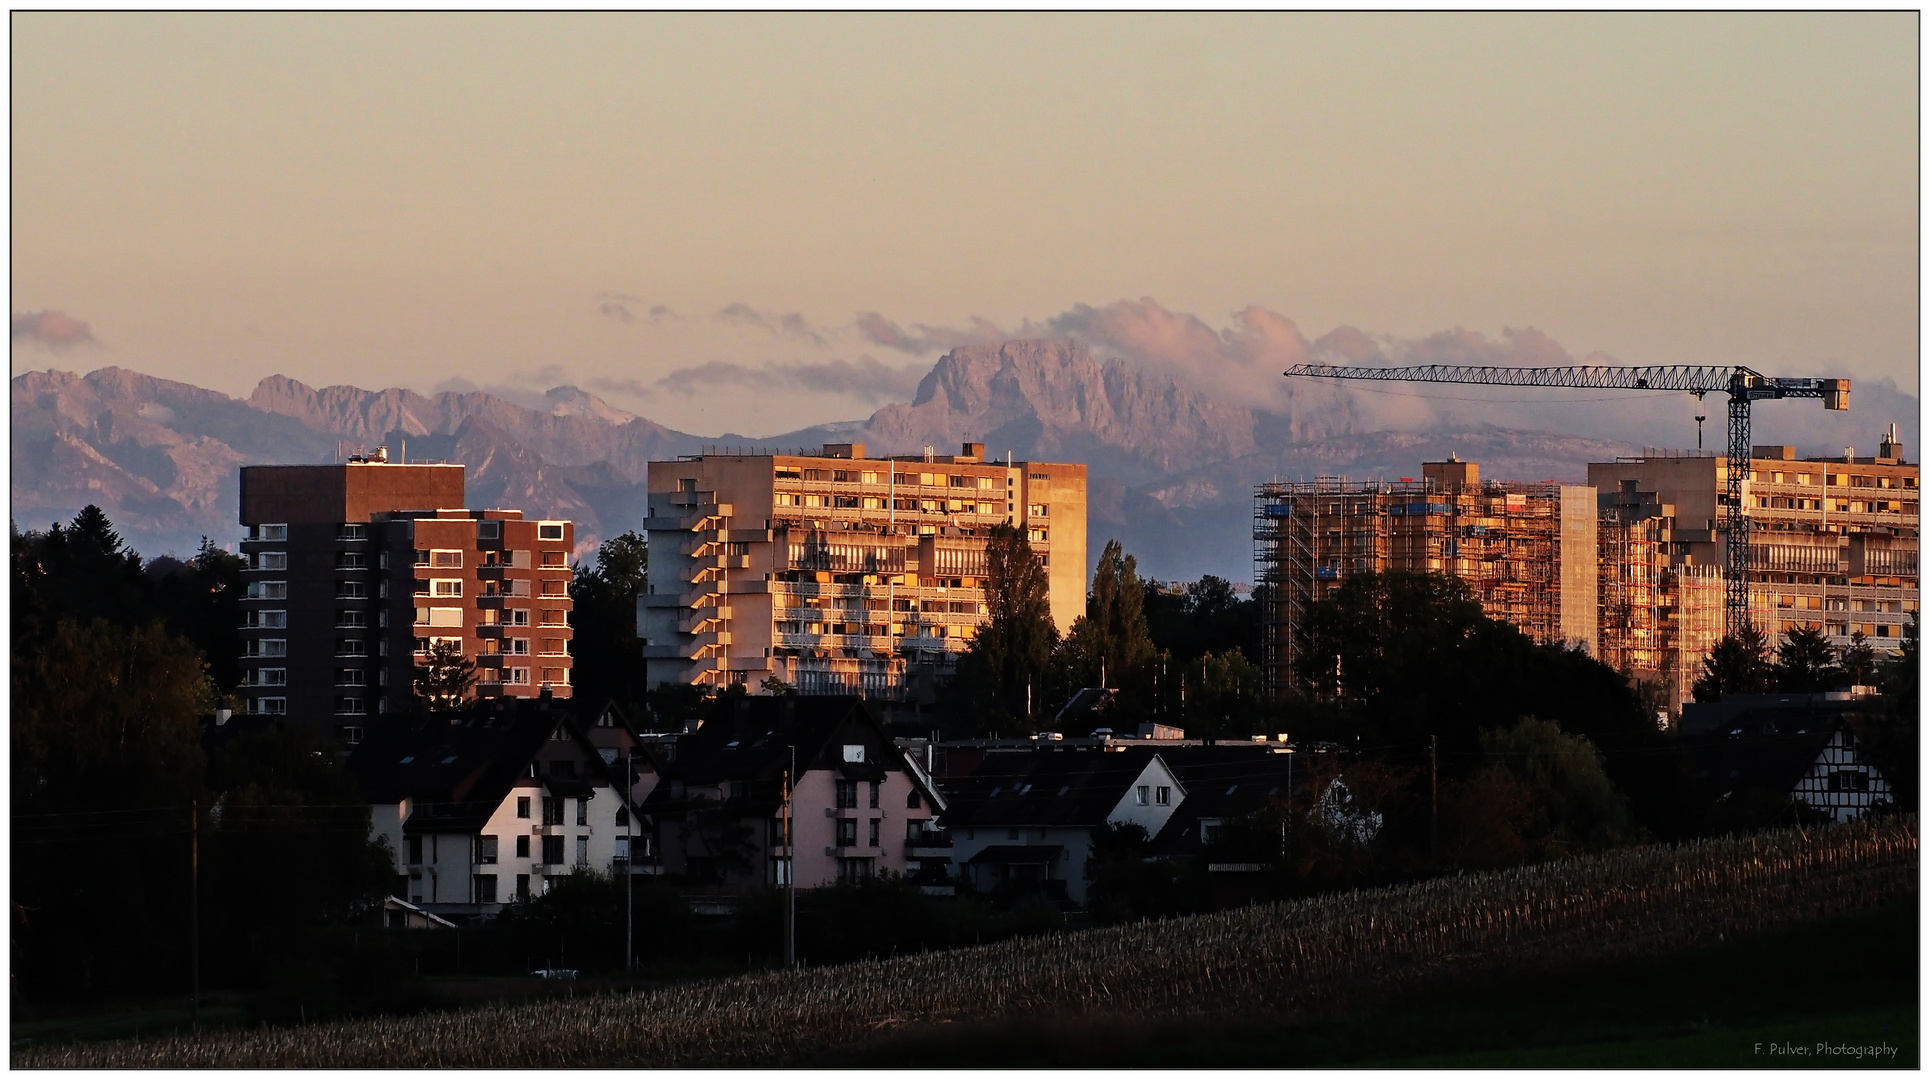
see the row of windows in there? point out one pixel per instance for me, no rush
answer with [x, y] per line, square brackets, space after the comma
[870, 476]
[867, 502]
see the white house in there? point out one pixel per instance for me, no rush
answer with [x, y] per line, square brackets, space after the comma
[489, 807]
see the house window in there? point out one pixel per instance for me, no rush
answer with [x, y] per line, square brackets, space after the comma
[853, 869]
[623, 817]
[351, 560]
[873, 835]
[270, 532]
[1140, 793]
[271, 706]
[1163, 796]
[552, 851]
[854, 752]
[554, 560]
[552, 810]
[911, 799]
[522, 808]
[485, 849]
[847, 794]
[415, 851]
[271, 560]
[445, 558]
[271, 676]
[485, 889]
[446, 586]
[522, 847]
[1012, 833]
[582, 811]
[1849, 780]
[582, 851]
[516, 676]
[522, 885]
[847, 832]
[874, 794]
[1210, 832]
[914, 830]
[549, 532]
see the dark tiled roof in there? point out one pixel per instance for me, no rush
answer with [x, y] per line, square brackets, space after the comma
[1771, 762]
[747, 742]
[457, 770]
[1044, 787]
[1227, 783]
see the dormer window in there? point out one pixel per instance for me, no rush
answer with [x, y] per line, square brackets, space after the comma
[854, 752]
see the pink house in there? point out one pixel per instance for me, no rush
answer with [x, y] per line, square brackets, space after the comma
[860, 806]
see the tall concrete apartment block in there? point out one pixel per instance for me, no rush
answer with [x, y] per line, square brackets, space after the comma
[1833, 539]
[354, 570]
[839, 573]
[1527, 551]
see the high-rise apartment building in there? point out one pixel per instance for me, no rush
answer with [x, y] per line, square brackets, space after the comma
[354, 570]
[1660, 613]
[1526, 550]
[840, 573]
[1833, 539]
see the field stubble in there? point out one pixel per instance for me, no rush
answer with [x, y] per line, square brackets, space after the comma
[1296, 958]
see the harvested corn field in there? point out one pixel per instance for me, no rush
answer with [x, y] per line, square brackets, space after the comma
[1286, 959]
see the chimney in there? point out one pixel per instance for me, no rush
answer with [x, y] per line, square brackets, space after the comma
[975, 451]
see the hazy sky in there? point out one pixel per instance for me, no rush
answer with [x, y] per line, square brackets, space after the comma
[670, 208]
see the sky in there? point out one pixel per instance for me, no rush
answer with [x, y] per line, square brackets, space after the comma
[757, 222]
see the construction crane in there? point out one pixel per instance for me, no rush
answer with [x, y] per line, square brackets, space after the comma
[1742, 384]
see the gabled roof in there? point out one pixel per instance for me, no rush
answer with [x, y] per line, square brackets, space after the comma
[1226, 783]
[1045, 787]
[456, 770]
[1727, 763]
[748, 741]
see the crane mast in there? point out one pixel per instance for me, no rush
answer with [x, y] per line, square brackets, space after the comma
[1743, 385]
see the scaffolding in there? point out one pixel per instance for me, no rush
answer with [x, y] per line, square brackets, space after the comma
[1504, 540]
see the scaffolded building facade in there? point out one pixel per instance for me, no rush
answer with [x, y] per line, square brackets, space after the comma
[1527, 551]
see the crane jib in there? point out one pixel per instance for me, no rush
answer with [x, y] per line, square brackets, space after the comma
[1743, 385]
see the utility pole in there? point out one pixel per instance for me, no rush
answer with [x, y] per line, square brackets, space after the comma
[629, 860]
[194, 912]
[1433, 804]
[790, 871]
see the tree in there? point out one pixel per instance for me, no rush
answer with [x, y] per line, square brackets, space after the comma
[1583, 810]
[609, 654]
[1011, 658]
[777, 687]
[1805, 662]
[1224, 695]
[1898, 673]
[445, 676]
[1110, 642]
[1738, 664]
[1858, 661]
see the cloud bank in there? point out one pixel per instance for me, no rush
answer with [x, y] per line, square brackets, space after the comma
[54, 330]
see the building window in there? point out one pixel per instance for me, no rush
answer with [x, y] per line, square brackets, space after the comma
[551, 617]
[1163, 796]
[522, 885]
[623, 817]
[582, 811]
[549, 532]
[911, 799]
[268, 590]
[447, 558]
[415, 851]
[555, 676]
[872, 836]
[850, 870]
[582, 851]
[349, 676]
[1849, 780]
[556, 587]
[268, 620]
[351, 590]
[914, 830]
[352, 531]
[271, 560]
[516, 646]
[854, 752]
[1140, 793]
[351, 560]
[874, 795]
[847, 832]
[847, 794]
[445, 586]
[516, 676]
[350, 735]
[485, 849]
[270, 532]
[485, 889]
[271, 676]
[522, 847]
[350, 706]
[552, 851]
[522, 807]
[554, 559]
[552, 810]
[271, 706]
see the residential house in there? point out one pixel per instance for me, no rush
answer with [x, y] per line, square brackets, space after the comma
[489, 807]
[1777, 761]
[860, 805]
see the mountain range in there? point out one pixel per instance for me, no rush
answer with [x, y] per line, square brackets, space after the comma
[1171, 467]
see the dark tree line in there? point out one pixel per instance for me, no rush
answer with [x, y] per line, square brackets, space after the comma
[118, 667]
